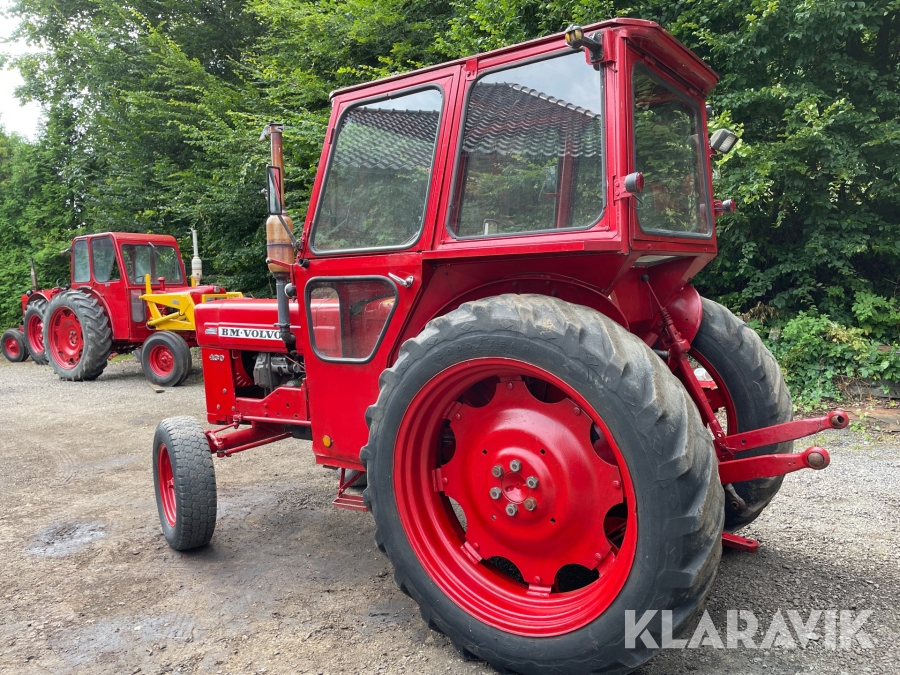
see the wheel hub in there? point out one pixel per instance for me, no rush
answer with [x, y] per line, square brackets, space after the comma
[66, 341]
[554, 489]
[162, 361]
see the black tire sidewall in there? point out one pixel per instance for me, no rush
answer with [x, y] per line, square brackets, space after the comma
[656, 550]
[175, 344]
[20, 339]
[39, 308]
[192, 467]
[757, 390]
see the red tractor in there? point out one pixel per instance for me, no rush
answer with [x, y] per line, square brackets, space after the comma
[119, 281]
[488, 312]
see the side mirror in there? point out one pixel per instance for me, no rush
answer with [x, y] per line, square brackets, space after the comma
[274, 190]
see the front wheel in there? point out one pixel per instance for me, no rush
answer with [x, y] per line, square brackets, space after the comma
[166, 359]
[535, 472]
[185, 482]
[13, 345]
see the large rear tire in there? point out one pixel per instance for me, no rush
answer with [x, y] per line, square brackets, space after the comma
[751, 391]
[185, 482]
[34, 330]
[77, 336]
[525, 397]
[13, 345]
[166, 359]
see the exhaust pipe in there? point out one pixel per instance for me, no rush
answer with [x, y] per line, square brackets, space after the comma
[196, 263]
[281, 244]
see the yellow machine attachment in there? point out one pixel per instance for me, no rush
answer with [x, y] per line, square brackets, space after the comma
[182, 318]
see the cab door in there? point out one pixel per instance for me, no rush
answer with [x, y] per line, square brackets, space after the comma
[373, 211]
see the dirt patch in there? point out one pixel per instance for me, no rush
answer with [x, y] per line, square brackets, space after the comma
[291, 585]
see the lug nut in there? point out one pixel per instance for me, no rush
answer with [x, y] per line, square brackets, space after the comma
[511, 509]
[515, 465]
[530, 504]
[495, 493]
[531, 482]
[497, 471]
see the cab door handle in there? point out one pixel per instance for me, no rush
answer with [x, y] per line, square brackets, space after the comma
[406, 283]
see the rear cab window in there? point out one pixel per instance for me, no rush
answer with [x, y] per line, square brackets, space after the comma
[669, 151]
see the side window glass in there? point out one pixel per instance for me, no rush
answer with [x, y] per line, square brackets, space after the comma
[81, 268]
[103, 258]
[347, 318]
[532, 150]
[668, 149]
[376, 188]
[168, 265]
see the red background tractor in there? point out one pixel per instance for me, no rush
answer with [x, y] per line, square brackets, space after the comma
[101, 312]
[489, 312]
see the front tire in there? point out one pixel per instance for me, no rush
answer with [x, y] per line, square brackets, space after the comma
[166, 359]
[13, 345]
[752, 392]
[518, 398]
[34, 330]
[185, 483]
[77, 336]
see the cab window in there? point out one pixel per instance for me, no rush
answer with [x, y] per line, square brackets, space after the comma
[103, 259]
[532, 150]
[81, 267]
[376, 188]
[668, 150]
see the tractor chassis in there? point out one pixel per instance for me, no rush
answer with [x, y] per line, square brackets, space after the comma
[731, 470]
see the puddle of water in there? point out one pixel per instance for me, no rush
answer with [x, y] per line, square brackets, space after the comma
[62, 539]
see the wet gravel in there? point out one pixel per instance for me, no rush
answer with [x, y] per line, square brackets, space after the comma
[290, 585]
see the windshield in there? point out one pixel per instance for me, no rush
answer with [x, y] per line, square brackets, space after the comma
[667, 150]
[157, 261]
[532, 152]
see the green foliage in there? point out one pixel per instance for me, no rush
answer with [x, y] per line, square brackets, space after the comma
[153, 110]
[817, 355]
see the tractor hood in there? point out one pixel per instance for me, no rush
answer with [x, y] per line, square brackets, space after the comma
[243, 324]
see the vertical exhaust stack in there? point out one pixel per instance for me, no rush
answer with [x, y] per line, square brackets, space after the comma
[33, 276]
[196, 263]
[281, 244]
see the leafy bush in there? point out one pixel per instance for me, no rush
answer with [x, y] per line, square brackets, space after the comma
[818, 355]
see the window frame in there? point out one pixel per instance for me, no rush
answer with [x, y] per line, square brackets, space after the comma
[454, 183]
[338, 126]
[307, 291]
[669, 83]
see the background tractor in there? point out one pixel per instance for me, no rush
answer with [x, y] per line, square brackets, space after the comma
[488, 313]
[127, 292]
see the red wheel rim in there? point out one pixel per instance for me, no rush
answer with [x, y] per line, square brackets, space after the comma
[503, 568]
[166, 485]
[35, 333]
[161, 360]
[717, 393]
[66, 341]
[11, 345]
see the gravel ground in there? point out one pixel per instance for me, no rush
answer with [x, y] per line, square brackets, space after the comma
[291, 585]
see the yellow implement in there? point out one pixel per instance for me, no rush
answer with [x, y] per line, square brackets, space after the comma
[182, 318]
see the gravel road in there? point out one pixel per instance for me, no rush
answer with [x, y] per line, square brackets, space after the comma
[291, 585]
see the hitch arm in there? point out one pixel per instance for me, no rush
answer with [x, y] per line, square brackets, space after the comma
[767, 466]
[779, 433]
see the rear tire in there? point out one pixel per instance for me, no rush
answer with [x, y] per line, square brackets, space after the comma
[166, 359]
[77, 336]
[185, 483]
[756, 397]
[34, 330]
[13, 345]
[542, 373]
